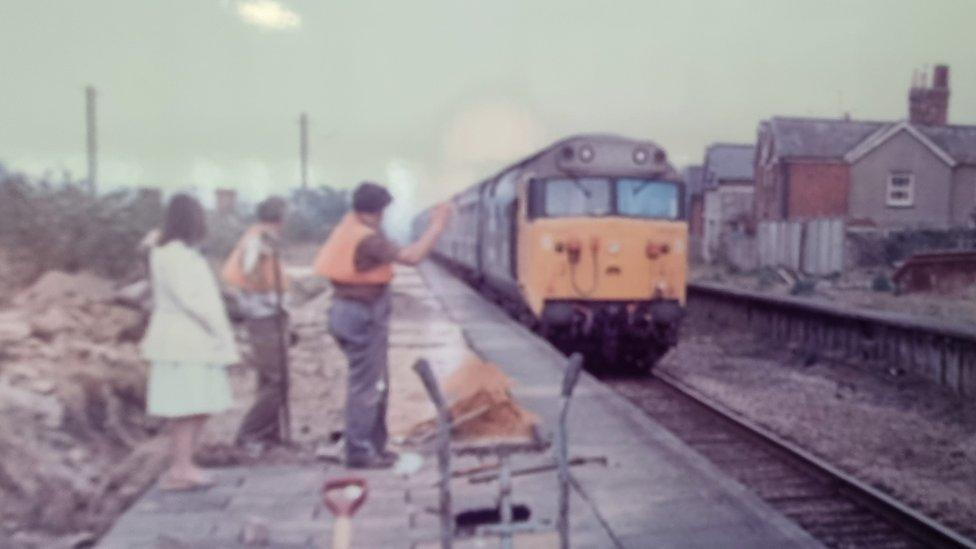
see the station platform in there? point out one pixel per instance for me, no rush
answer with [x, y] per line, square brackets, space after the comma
[653, 490]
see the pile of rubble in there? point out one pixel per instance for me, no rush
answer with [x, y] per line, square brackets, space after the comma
[75, 441]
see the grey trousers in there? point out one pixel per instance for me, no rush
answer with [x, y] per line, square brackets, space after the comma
[263, 421]
[362, 331]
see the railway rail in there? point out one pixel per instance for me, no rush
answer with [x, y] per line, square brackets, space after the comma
[835, 508]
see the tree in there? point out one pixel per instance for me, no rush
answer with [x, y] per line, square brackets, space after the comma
[314, 212]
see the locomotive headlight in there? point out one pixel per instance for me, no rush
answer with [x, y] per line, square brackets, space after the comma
[586, 153]
[640, 156]
[547, 242]
[613, 247]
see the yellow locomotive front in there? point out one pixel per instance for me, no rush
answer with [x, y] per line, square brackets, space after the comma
[602, 254]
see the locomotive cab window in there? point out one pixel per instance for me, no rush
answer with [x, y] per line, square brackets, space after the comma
[577, 197]
[597, 196]
[651, 199]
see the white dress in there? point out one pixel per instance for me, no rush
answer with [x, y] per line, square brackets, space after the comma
[188, 375]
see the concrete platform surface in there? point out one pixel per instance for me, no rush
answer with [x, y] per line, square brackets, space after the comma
[656, 491]
[653, 492]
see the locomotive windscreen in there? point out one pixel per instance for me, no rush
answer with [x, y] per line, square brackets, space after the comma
[651, 199]
[599, 196]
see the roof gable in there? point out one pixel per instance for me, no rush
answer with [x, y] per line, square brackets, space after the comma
[882, 135]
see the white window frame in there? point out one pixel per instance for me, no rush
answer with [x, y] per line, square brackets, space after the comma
[907, 202]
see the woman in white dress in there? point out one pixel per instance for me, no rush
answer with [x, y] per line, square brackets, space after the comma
[189, 340]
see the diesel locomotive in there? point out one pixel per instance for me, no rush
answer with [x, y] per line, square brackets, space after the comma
[584, 241]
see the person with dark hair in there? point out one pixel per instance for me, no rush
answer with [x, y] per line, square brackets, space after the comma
[358, 259]
[253, 270]
[189, 340]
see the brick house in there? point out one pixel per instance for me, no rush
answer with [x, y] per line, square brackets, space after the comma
[727, 193]
[913, 173]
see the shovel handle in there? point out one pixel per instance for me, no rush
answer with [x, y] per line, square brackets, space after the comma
[342, 533]
[573, 368]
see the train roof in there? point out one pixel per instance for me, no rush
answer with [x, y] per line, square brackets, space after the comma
[587, 137]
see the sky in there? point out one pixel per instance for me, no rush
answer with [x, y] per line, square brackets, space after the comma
[430, 96]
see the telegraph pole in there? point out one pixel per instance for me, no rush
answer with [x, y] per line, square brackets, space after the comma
[92, 139]
[303, 144]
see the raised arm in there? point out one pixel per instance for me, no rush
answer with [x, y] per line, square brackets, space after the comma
[416, 252]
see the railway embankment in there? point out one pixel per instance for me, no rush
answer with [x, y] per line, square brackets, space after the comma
[877, 420]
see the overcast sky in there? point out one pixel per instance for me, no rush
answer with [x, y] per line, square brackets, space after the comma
[434, 94]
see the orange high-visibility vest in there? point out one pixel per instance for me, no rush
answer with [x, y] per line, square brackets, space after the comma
[263, 280]
[336, 259]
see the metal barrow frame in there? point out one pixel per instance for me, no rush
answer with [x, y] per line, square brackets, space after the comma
[503, 450]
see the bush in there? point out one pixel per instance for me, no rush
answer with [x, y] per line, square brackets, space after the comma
[900, 245]
[314, 212]
[47, 226]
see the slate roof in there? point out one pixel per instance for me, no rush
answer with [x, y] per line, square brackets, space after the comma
[958, 141]
[818, 137]
[833, 138]
[725, 161]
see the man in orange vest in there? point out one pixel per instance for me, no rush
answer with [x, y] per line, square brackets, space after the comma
[358, 259]
[254, 271]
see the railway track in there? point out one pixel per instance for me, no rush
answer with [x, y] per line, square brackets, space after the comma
[836, 509]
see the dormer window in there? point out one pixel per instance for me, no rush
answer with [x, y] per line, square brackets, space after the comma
[901, 190]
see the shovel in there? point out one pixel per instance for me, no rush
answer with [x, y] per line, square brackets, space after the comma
[343, 497]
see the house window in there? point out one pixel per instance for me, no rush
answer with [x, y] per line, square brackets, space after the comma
[901, 190]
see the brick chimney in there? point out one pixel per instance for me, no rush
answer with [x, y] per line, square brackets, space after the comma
[226, 201]
[928, 103]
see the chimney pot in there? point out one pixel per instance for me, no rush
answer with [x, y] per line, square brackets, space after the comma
[941, 79]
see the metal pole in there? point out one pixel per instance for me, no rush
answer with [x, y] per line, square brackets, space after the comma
[92, 139]
[303, 138]
[281, 324]
[422, 367]
[505, 502]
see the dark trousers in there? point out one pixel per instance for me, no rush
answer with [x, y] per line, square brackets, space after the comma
[362, 331]
[262, 422]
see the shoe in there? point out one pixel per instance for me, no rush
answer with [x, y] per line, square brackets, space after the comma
[382, 461]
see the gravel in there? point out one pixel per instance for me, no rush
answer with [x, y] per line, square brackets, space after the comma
[912, 440]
